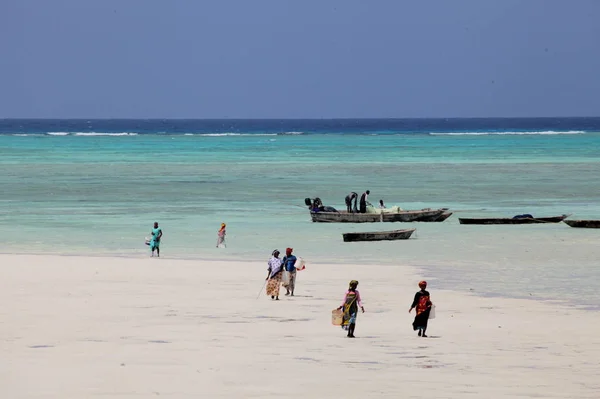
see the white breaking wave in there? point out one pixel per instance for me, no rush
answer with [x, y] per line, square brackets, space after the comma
[243, 134]
[90, 134]
[549, 132]
[104, 134]
[232, 134]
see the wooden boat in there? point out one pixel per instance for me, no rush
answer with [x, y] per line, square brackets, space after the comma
[424, 215]
[553, 219]
[379, 235]
[440, 218]
[590, 223]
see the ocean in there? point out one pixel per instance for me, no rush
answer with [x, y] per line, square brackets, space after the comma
[95, 187]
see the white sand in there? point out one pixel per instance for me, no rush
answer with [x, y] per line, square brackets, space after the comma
[78, 327]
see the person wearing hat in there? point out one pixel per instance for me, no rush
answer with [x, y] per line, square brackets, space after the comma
[289, 264]
[274, 276]
[350, 305]
[221, 235]
[422, 304]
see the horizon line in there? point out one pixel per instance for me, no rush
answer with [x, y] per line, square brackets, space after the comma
[311, 119]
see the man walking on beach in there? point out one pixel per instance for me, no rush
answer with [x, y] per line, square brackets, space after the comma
[289, 264]
[155, 240]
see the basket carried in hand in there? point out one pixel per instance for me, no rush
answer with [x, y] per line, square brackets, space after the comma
[337, 317]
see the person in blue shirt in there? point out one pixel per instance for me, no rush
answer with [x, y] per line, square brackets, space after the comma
[289, 265]
[156, 235]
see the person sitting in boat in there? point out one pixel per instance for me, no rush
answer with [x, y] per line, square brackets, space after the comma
[381, 204]
[349, 198]
[317, 205]
[523, 216]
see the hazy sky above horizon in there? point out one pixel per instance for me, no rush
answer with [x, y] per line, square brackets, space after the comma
[298, 59]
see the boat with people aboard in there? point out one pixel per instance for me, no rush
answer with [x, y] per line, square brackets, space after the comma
[327, 214]
[589, 223]
[518, 219]
[379, 235]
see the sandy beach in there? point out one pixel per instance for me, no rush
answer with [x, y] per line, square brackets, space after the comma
[79, 327]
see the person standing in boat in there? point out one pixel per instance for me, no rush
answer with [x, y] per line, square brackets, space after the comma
[422, 304]
[363, 201]
[349, 198]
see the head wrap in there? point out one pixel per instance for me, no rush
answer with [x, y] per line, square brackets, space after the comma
[223, 225]
[288, 251]
[422, 284]
[353, 283]
[275, 252]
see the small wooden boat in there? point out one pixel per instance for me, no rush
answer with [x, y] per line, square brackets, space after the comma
[440, 218]
[424, 215]
[552, 219]
[589, 224]
[379, 235]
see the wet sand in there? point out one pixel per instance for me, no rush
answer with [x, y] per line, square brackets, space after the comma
[75, 327]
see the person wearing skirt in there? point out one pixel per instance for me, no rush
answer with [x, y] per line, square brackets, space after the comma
[350, 305]
[275, 273]
[422, 304]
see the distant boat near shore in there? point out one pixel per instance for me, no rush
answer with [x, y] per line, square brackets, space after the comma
[378, 235]
[327, 214]
[589, 224]
[519, 220]
[425, 215]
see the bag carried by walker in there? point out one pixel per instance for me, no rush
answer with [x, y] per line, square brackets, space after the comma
[432, 312]
[286, 278]
[337, 317]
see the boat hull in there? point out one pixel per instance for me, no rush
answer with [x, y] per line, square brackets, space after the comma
[378, 235]
[588, 224]
[553, 219]
[402, 216]
[440, 218]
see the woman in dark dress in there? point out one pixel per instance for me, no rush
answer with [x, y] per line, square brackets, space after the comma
[422, 303]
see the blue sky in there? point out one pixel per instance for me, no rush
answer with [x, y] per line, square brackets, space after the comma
[299, 59]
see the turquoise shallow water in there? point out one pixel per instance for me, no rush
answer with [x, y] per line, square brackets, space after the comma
[99, 194]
